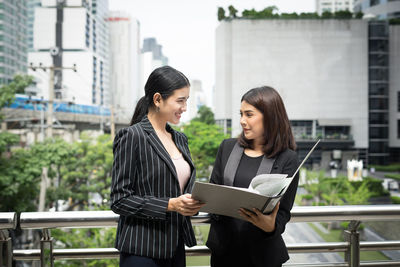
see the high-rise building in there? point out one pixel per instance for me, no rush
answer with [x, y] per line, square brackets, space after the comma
[13, 39]
[101, 47]
[68, 33]
[341, 97]
[32, 4]
[151, 58]
[382, 9]
[333, 5]
[124, 62]
[394, 89]
[197, 98]
[151, 45]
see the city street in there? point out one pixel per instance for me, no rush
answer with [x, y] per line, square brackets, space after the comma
[303, 233]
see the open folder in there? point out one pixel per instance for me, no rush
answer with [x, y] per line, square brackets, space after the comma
[264, 192]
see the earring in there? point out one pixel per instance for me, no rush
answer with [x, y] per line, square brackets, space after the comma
[157, 109]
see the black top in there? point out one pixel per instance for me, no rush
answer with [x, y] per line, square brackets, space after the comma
[247, 169]
[265, 249]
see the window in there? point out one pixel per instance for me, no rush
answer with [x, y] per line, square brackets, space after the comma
[378, 103]
[378, 147]
[378, 60]
[398, 129]
[378, 30]
[378, 118]
[398, 101]
[378, 45]
[378, 74]
[374, 2]
[378, 89]
[378, 132]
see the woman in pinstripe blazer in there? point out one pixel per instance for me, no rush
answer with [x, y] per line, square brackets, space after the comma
[152, 176]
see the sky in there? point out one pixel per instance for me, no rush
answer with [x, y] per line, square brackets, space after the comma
[186, 29]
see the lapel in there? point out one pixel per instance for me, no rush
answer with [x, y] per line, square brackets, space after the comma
[179, 142]
[157, 145]
[233, 163]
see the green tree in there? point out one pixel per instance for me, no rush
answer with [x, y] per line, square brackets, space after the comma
[343, 14]
[249, 13]
[83, 169]
[205, 115]
[356, 195]
[77, 171]
[17, 86]
[204, 140]
[19, 177]
[327, 15]
[232, 12]
[359, 15]
[293, 15]
[309, 15]
[85, 238]
[314, 184]
[268, 12]
[221, 13]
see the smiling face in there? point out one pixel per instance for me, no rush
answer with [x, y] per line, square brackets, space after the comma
[171, 109]
[251, 120]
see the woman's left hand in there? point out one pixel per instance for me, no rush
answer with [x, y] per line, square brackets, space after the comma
[262, 221]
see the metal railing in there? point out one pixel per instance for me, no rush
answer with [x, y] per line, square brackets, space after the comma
[8, 221]
[94, 219]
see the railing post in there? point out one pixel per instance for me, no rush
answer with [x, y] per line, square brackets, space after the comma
[6, 251]
[352, 255]
[46, 249]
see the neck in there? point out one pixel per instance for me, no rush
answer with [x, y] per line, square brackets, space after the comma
[156, 121]
[258, 145]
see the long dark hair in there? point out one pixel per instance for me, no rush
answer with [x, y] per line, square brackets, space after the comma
[163, 80]
[278, 134]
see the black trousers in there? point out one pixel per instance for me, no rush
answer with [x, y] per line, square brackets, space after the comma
[179, 259]
[237, 258]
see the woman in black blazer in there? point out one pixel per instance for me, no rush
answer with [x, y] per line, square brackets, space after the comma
[266, 145]
[152, 176]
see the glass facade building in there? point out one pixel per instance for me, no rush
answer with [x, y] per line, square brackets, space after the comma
[378, 91]
[13, 39]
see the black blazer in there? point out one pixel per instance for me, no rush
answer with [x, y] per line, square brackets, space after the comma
[267, 249]
[143, 180]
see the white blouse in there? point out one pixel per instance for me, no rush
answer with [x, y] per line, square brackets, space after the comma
[182, 170]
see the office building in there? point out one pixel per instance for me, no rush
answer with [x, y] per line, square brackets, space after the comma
[73, 34]
[124, 62]
[13, 39]
[340, 96]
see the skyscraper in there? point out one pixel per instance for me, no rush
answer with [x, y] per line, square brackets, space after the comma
[333, 5]
[13, 39]
[197, 98]
[151, 58]
[78, 34]
[382, 9]
[124, 62]
[31, 18]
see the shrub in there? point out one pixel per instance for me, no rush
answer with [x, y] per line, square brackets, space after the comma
[375, 187]
[395, 200]
[307, 197]
[395, 176]
[387, 168]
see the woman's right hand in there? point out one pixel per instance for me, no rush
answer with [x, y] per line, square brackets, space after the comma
[185, 205]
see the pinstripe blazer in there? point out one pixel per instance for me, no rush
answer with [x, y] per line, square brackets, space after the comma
[143, 180]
